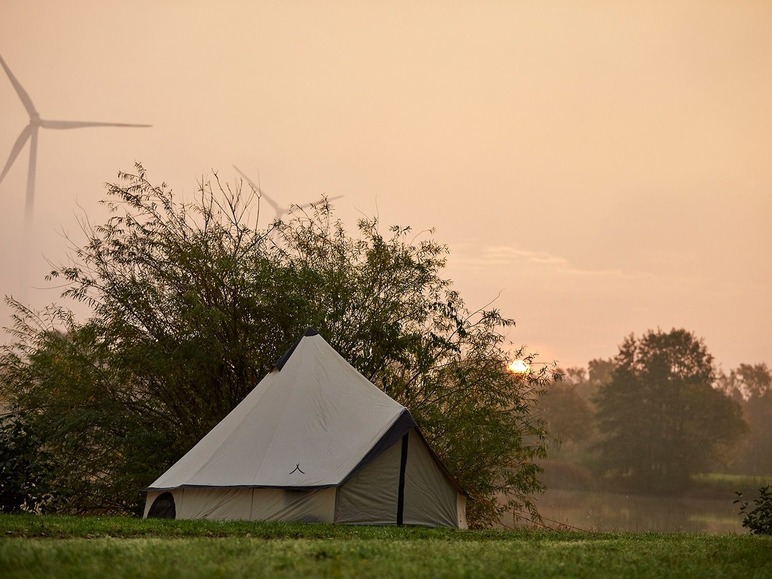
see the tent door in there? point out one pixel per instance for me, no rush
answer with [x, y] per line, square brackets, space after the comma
[163, 507]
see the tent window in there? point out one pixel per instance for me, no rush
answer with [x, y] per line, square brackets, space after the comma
[163, 507]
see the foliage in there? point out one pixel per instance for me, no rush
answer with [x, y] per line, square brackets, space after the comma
[600, 372]
[192, 304]
[77, 547]
[759, 518]
[586, 382]
[757, 458]
[751, 386]
[746, 382]
[24, 466]
[660, 417]
[568, 416]
[89, 424]
[568, 408]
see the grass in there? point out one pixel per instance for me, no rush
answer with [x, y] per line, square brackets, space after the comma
[34, 546]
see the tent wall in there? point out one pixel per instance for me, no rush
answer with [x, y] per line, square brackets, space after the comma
[369, 497]
[430, 499]
[213, 503]
[232, 503]
[461, 511]
[306, 506]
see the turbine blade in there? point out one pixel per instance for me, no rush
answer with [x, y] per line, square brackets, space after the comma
[17, 147]
[254, 185]
[82, 124]
[257, 188]
[319, 200]
[26, 101]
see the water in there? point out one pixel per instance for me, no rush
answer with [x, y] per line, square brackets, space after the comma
[599, 511]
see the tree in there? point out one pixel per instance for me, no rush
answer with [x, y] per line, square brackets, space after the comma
[660, 417]
[100, 445]
[570, 419]
[193, 303]
[567, 406]
[568, 416]
[757, 459]
[600, 372]
[23, 466]
[759, 518]
[751, 386]
[746, 381]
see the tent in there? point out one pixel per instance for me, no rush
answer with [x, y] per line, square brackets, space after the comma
[314, 441]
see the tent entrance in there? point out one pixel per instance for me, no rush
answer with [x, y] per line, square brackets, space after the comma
[163, 507]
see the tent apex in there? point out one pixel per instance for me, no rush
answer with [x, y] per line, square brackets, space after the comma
[309, 331]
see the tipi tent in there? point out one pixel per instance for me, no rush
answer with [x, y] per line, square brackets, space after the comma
[314, 441]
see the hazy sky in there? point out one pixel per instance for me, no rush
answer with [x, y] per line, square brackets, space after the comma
[606, 167]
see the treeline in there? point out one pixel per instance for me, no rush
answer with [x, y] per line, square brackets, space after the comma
[656, 414]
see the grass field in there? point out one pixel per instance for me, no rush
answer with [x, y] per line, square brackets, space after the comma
[123, 547]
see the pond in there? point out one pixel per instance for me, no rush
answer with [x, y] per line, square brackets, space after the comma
[600, 511]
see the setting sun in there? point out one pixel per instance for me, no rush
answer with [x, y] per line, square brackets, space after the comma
[518, 367]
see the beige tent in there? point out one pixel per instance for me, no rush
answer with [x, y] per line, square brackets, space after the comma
[314, 441]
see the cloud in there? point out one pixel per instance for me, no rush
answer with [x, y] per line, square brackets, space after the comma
[469, 256]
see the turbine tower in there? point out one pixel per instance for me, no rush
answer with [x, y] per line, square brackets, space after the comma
[30, 132]
[279, 210]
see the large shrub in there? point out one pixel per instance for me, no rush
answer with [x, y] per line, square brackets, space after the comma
[192, 304]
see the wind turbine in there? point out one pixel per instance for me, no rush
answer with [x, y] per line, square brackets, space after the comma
[279, 210]
[30, 132]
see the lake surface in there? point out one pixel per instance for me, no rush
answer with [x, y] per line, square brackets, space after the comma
[599, 511]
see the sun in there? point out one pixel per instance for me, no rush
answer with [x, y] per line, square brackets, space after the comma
[518, 367]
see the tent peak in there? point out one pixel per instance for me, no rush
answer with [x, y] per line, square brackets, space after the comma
[309, 331]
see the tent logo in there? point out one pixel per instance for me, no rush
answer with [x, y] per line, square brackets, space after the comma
[297, 468]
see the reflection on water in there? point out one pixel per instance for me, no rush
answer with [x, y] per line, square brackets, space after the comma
[598, 511]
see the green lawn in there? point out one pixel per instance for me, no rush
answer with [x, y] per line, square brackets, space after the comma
[123, 547]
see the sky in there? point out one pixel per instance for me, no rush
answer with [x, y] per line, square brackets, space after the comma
[598, 168]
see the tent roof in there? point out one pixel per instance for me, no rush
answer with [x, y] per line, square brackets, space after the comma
[308, 423]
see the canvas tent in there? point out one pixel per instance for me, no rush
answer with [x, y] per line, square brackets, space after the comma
[314, 441]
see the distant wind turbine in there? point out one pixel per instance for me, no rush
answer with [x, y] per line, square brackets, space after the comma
[279, 210]
[30, 132]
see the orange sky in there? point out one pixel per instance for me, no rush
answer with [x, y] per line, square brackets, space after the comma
[606, 167]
